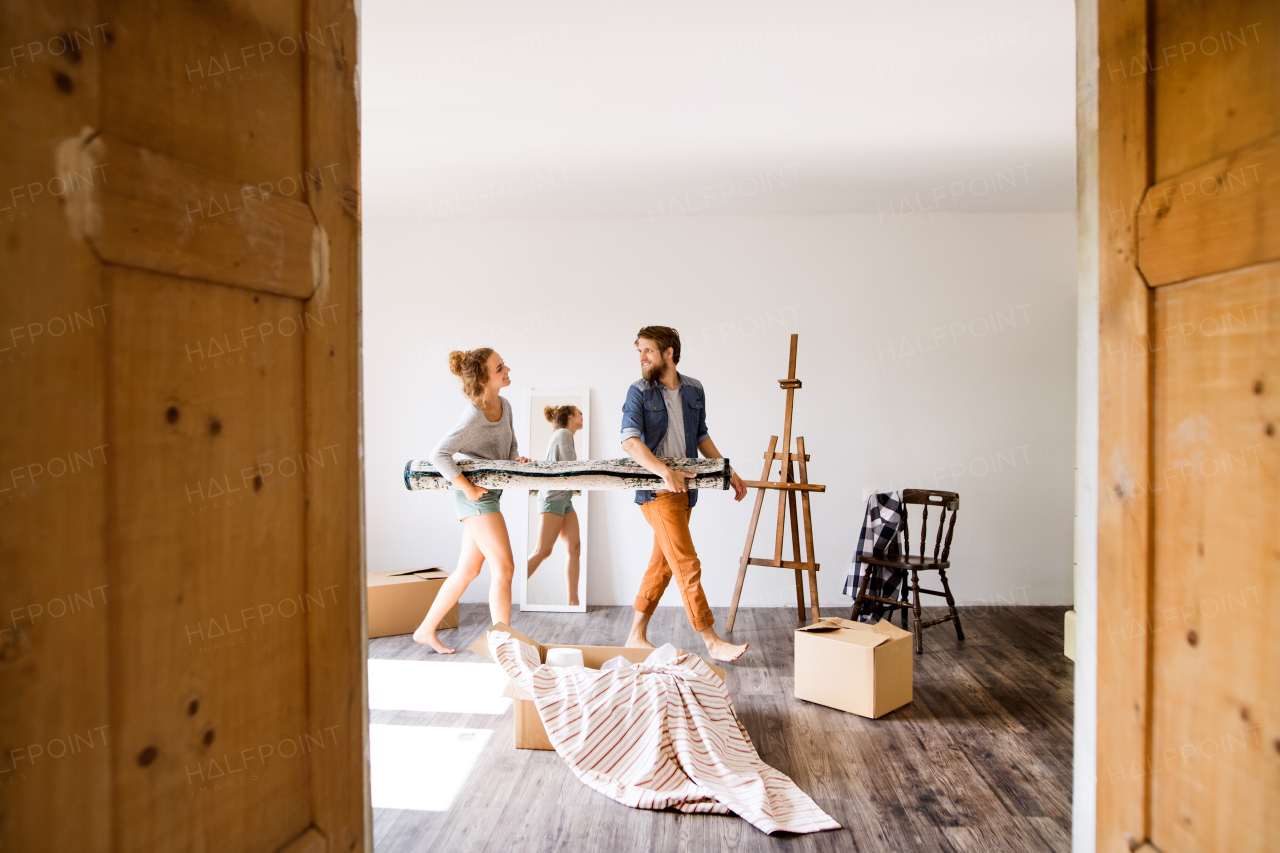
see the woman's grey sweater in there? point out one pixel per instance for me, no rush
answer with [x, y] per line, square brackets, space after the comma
[476, 437]
[559, 449]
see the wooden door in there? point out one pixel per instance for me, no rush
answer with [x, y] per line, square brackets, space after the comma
[1188, 242]
[181, 650]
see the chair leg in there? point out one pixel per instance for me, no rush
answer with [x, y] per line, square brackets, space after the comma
[915, 612]
[862, 590]
[903, 593]
[951, 603]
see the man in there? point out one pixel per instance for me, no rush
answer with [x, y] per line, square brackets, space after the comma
[665, 417]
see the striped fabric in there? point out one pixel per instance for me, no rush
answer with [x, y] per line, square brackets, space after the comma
[658, 737]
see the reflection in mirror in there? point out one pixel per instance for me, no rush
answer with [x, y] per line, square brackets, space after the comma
[556, 574]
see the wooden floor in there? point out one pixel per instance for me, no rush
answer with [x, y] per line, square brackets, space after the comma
[980, 761]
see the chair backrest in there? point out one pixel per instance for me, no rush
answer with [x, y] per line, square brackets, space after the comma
[945, 502]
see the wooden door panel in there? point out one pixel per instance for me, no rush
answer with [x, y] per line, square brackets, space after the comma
[145, 85]
[209, 639]
[1215, 71]
[1213, 760]
[1188, 123]
[209, 83]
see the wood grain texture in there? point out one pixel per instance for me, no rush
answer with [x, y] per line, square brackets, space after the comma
[218, 86]
[311, 841]
[979, 761]
[207, 558]
[1124, 481]
[154, 212]
[1215, 749]
[1219, 216]
[53, 646]
[335, 505]
[1215, 72]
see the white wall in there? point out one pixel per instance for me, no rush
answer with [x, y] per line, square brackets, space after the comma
[934, 353]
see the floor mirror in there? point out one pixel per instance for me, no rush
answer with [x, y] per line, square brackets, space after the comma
[555, 573]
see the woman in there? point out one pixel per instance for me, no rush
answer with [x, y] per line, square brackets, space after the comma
[484, 432]
[556, 515]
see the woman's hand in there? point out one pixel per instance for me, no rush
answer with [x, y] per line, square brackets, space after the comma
[522, 459]
[472, 491]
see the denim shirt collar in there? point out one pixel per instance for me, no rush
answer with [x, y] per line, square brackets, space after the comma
[657, 383]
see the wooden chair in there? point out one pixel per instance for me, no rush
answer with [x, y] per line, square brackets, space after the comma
[904, 562]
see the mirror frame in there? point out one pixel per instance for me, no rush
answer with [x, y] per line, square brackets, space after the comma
[583, 511]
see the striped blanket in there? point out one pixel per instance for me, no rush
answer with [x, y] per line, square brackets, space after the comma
[657, 737]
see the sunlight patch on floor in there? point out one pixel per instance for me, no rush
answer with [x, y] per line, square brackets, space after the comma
[422, 768]
[437, 687]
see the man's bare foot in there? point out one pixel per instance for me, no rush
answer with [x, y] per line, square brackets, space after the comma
[634, 642]
[428, 638]
[724, 651]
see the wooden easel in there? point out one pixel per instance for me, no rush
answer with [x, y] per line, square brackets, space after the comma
[786, 486]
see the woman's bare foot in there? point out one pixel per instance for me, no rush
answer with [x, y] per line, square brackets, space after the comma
[428, 638]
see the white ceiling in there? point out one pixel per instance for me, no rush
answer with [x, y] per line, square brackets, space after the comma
[500, 109]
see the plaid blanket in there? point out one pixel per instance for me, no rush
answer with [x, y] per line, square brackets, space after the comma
[881, 524]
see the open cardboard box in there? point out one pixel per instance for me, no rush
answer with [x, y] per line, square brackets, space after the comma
[530, 733]
[853, 666]
[398, 601]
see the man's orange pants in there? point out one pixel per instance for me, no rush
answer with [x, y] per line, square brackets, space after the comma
[673, 553]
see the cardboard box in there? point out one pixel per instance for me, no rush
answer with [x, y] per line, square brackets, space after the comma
[530, 733]
[399, 601]
[860, 668]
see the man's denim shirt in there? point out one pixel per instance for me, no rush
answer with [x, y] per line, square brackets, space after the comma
[644, 416]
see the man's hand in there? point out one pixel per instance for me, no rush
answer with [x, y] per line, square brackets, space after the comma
[678, 481]
[709, 450]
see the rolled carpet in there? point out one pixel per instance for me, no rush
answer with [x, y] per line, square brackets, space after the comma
[581, 475]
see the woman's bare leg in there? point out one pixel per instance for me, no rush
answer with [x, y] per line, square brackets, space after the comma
[573, 546]
[549, 525]
[469, 563]
[490, 534]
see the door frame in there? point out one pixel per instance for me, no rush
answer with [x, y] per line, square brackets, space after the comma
[1114, 512]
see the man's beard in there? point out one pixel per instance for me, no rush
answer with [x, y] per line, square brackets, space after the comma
[653, 370]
